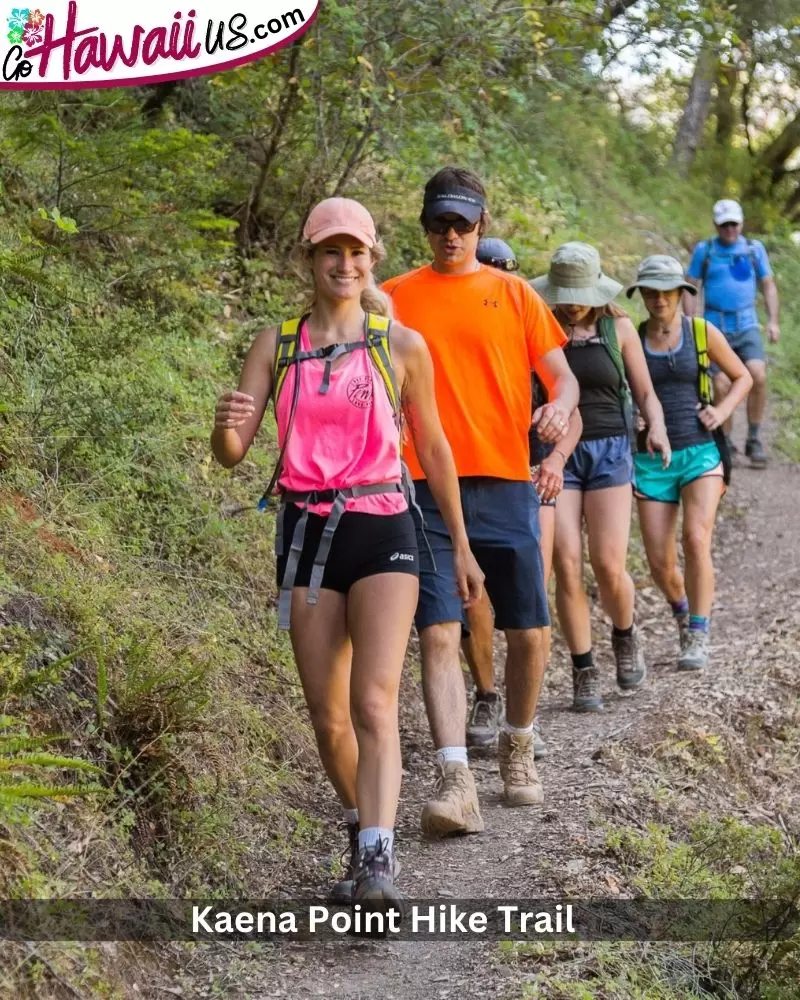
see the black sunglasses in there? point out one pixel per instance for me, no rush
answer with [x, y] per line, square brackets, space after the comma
[728, 225]
[501, 263]
[440, 226]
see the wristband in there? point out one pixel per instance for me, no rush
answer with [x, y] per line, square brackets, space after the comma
[556, 451]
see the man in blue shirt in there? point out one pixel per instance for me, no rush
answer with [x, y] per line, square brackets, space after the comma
[730, 269]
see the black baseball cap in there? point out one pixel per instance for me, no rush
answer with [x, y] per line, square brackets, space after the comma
[454, 200]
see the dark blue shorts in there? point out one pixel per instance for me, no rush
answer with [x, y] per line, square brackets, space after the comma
[748, 345]
[502, 521]
[599, 464]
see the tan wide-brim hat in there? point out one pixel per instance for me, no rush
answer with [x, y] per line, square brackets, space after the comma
[575, 278]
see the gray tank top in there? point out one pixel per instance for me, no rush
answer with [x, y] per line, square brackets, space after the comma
[674, 374]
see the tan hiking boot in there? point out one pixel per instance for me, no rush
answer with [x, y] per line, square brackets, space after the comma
[454, 806]
[518, 770]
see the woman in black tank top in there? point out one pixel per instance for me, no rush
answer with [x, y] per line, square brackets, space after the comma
[605, 355]
[678, 350]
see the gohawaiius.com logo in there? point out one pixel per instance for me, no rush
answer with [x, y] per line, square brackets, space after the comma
[93, 43]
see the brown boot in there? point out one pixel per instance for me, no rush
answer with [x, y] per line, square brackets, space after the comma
[518, 770]
[454, 806]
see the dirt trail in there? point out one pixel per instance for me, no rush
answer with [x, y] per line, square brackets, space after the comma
[557, 849]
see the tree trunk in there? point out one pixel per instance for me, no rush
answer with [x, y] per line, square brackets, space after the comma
[771, 162]
[791, 209]
[727, 78]
[695, 114]
[157, 99]
[286, 105]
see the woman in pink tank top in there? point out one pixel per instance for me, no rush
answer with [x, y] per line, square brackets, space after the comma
[346, 543]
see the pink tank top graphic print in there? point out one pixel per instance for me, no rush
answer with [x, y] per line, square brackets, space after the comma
[347, 437]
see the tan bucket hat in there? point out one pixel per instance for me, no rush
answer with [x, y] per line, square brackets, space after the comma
[662, 273]
[576, 278]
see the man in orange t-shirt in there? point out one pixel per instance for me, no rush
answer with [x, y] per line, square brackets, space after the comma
[486, 330]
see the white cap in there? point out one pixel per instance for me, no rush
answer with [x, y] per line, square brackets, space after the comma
[728, 210]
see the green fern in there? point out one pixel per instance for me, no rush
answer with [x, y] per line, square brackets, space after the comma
[29, 773]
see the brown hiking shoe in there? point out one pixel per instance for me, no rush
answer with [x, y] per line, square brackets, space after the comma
[454, 806]
[518, 770]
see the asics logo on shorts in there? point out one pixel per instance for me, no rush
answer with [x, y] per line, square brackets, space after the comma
[403, 556]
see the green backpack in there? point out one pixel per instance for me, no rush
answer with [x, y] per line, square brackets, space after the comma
[607, 331]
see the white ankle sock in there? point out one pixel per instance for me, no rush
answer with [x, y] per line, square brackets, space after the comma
[517, 732]
[351, 817]
[452, 755]
[372, 834]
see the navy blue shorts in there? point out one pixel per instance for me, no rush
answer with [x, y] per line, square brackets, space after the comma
[502, 521]
[599, 464]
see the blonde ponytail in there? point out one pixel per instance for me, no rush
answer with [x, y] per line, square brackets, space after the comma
[373, 300]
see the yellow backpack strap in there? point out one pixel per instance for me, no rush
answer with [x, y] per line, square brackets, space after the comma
[285, 348]
[380, 354]
[705, 388]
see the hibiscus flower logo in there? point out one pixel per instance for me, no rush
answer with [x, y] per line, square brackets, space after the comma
[25, 25]
[19, 18]
[16, 24]
[32, 35]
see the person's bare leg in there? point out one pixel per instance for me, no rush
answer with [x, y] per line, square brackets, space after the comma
[547, 529]
[658, 523]
[757, 397]
[573, 608]
[756, 402]
[525, 663]
[443, 684]
[608, 525]
[571, 602]
[478, 647]
[700, 501]
[379, 646]
[323, 653]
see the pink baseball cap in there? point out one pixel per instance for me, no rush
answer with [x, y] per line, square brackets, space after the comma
[337, 217]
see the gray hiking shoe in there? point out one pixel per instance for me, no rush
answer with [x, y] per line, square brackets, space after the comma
[342, 891]
[539, 745]
[484, 720]
[631, 668]
[754, 450]
[694, 653]
[586, 694]
[731, 446]
[682, 621]
[374, 875]
[454, 805]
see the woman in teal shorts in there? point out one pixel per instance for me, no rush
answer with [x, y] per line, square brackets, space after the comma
[695, 475]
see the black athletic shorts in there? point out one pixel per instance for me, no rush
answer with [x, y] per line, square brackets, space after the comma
[363, 545]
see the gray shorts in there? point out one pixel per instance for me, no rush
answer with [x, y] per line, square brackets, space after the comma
[748, 345]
